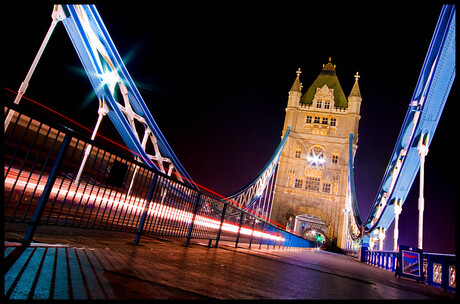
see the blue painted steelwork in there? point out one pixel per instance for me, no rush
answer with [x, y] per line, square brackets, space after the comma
[256, 196]
[353, 214]
[106, 71]
[425, 109]
[439, 269]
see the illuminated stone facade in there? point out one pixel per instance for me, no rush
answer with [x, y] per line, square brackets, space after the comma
[313, 171]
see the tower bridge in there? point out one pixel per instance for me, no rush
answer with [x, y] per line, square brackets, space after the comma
[312, 178]
[56, 176]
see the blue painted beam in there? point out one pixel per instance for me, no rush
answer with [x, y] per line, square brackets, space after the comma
[425, 109]
[99, 57]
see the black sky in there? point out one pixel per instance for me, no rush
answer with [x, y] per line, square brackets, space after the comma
[216, 80]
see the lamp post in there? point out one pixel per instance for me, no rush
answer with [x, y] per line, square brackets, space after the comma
[397, 209]
[56, 16]
[423, 151]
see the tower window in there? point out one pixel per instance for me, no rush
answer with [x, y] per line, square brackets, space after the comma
[317, 119]
[312, 183]
[325, 120]
[316, 152]
[298, 183]
[308, 119]
[319, 102]
[298, 153]
[333, 122]
[335, 159]
[326, 188]
[316, 158]
[327, 104]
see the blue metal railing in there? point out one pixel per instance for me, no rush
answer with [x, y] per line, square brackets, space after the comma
[382, 259]
[438, 269]
[42, 159]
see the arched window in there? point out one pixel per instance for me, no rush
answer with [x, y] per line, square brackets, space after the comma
[316, 151]
[316, 157]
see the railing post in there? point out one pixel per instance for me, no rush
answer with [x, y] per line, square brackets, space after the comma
[46, 192]
[269, 237]
[287, 239]
[363, 253]
[282, 235]
[262, 237]
[195, 210]
[146, 210]
[393, 262]
[239, 229]
[252, 232]
[222, 217]
[444, 274]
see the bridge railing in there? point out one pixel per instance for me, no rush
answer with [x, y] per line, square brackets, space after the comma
[382, 259]
[45, 184]
[438, 269]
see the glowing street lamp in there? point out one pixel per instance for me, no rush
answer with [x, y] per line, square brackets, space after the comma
[319, 238]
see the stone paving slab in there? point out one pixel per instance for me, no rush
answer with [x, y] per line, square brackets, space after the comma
[72, 263]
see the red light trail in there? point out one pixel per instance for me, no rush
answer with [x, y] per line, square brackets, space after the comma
[131, 204]
[176, 173]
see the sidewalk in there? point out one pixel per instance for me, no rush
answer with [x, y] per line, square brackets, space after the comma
[72, 263]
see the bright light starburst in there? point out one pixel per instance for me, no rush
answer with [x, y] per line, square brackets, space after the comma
[316, 158]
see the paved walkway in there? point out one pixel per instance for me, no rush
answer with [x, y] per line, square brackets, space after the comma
[71, 263]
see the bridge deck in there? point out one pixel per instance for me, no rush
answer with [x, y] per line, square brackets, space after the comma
[93, 264]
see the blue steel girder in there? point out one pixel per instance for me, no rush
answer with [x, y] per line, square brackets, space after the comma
[422, 117]
[353, 214]
[115, 88]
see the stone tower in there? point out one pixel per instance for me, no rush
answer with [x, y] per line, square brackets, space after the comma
[313, 169]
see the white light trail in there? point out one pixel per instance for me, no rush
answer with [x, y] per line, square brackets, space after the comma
[117, 200]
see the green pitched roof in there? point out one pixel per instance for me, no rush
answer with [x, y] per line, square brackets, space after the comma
[326, 77]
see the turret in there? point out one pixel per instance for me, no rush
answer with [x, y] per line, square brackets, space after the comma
[354, 106]
[354, 100]
[295, 93]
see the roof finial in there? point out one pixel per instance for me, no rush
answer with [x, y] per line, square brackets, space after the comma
[329, 66]
[298, 72]
[297, 86]
[357, 76]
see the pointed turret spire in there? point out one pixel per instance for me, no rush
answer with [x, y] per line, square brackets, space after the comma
[297, 86]
[355, 90]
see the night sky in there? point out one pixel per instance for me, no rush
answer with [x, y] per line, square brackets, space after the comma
[216, 80]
